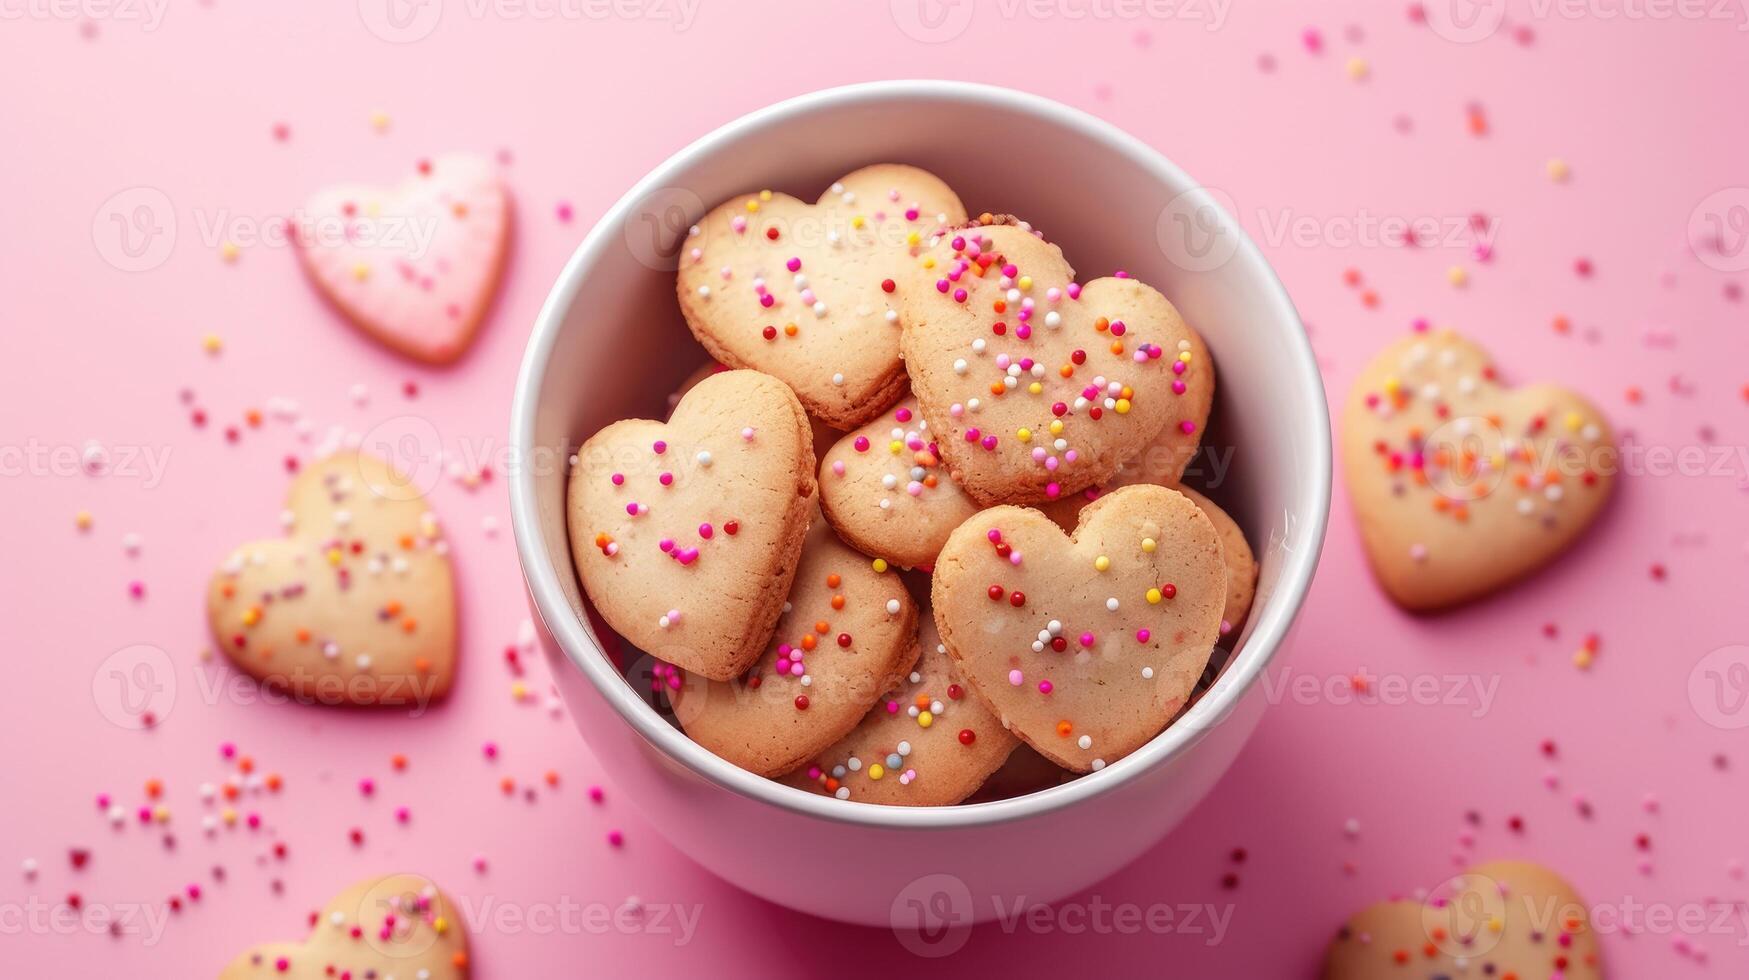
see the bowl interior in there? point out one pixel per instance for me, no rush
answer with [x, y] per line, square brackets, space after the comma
[611, 343]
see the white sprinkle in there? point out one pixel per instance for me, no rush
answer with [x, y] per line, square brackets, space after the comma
[1098, 764]
[1111, 604]
[1085, 741]
[704, 457]
[838, 379]
[892, 607]
[1147, 673]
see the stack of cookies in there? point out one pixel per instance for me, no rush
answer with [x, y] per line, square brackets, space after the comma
[926, 511]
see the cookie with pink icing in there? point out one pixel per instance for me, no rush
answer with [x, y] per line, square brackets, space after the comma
[884, 488]
[809, 292]
[1038, 385]
[414, 266]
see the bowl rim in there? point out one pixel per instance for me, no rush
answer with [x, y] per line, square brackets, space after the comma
[1268, 630]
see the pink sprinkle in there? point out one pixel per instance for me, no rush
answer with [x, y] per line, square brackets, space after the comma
[1187, 426]
[615, 838]
[367, 787]
[1015, 677]
[403, 814]
[1142, 635]
[660, 447]
[619, 479]
[564, 211]
[1086, 639]
[491, 750]
[1044, 687]
[137, 589]
[793, 265]
[597, 794]
[705, 531]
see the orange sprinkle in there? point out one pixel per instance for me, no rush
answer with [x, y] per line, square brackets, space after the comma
[837, 602]
[1064, 728]
[833, 581]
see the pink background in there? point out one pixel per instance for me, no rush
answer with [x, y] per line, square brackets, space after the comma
[1647, 112]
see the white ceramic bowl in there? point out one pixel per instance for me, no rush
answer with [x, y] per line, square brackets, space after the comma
[610, 343]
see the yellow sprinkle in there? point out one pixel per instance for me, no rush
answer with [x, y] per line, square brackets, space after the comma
[251, 616]
[229, 251]
[880, 564]
[765, 195]
[1122, 406]
[1357, 68]
[1558, 170]
[440, 925]
[334, 556]
[1456, 275]
[925, 719]
[929, 263]
[752, 206]
[212, 343]
[82, 520]
[1184, 356]
[1102, 563]
[161, 813]
[1582, 659]
[1024, 282]
[913, 239]
[361, 272]
[1148, 545]
[1154, 597]
[1495, 924]
[876, 771]
[1574, 421]
[895, 447]
[518, 691]
[1024, 435]
[1392, 386]
[1035, 388]
[228, 815]
[858, 221]
[379, 121]
[1056, 427]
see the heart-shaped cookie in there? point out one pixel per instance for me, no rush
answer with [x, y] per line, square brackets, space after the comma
[1461, 485]
[397, 926]
[356, 605]
[927, 742]
[824, 435]
[1086, 645]
[884, 488]
[1504, 919]
[686, 533]
[806, 292]
[848, 634]
[1236, 552]
[1036, 385]
[414, 266]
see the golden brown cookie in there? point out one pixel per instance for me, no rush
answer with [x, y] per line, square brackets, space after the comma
[1460, 484]
[1086, 645]
[395, 926]
[807, 292]
[884, 488]
[1038, 386]
[1502, 920]
[356, 604]
[848, 634]
[928, 742]
[686, 533]
[1236, 552]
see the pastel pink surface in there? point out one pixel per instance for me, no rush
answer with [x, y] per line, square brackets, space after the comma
[414, 266]
[1310, 160]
